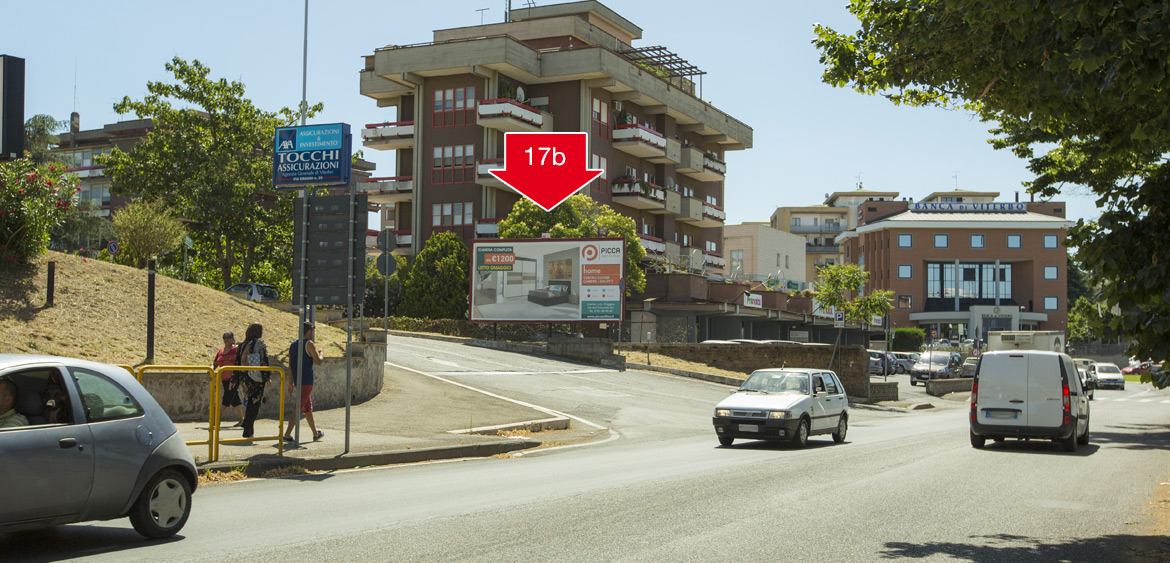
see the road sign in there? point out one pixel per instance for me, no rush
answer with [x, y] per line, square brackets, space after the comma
[188, 242]
[113, 247]
[838, 319]
[387, 264]
[387, 240]
[546, 168]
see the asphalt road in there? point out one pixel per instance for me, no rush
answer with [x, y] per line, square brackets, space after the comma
[659, 488]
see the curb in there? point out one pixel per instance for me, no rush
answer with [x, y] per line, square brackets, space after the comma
[254, 468]
[692, 374]
[556, 423]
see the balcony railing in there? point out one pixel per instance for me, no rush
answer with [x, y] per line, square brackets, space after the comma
[831, 248]
[483, 177]
[825, 228]
[402, 238]
[392, 189]
[652, 244]
[639, 133]
[509, 116]
[644, 189]
[389, 135]
[714, 211]
[714, 164]
[712, 258]
[487, 228]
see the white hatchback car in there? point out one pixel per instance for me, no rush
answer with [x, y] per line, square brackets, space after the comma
[784, 404]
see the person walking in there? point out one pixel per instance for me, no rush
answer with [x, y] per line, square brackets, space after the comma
[226, 356]
[252, 353]
[304, 352]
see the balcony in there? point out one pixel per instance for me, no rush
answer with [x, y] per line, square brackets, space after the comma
[638, 195]
[691, 211]
[713, 170]
[483, 178]
[653, 245]
[673, 153]
[713, 259]
[825, 228]
[822, 249]
[690, 162]
[402, 240]
[388, 190]
[713, 216]
[90, 171]
[389, 136]
[639, 141]
[673, 204]
[487, 228]
[511, 116]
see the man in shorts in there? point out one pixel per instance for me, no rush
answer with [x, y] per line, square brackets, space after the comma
[309, 356]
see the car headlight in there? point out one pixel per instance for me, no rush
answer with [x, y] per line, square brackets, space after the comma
[778, 414]
[722, 412]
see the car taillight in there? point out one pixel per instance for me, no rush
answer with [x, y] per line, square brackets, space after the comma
[1067, 401]
[974, 398]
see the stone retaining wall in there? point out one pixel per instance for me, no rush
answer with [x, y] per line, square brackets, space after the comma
[940, 387]
[883, 391]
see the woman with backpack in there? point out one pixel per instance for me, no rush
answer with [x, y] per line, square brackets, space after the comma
[253, 352]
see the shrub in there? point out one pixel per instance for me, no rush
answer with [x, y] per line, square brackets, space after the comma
[908, 339]
[34, 198]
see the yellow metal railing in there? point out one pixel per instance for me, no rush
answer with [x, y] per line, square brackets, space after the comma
[212, 410]
[279, 437]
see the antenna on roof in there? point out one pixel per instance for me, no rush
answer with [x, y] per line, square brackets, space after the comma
[956, 177]
[530, 3]
[859, 180]
[481, 11]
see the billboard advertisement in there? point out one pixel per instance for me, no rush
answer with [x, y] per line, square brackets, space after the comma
[547, 280]
[311, 155]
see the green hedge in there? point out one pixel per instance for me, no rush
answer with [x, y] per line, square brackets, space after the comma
[908, 339]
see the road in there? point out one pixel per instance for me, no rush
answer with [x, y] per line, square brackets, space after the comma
[658, 488]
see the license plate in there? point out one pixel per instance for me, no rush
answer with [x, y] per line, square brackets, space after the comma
[749, 428]
[1000, 414]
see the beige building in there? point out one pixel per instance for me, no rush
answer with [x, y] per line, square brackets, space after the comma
[755, 251]
[819, 225]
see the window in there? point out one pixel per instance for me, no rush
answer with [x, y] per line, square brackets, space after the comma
[102, 398]
[601, 184]
[977, 241]
[737, 261]
[453, 164]
[687, 240]
[710, 245]
[905, 301]
[454, 106]
[905, 271]
[1013, 241]
[786, 262]
[1050, 272]
[712, 201]
[1050, 241]
[968, 281]
[96, 195]
[796, 221]
[1050, 303]
[451, 214]
[941, 241]
[600, 118]
[830, 385]
[905, 240]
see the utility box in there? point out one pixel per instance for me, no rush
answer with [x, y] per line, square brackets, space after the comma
[1050, 340]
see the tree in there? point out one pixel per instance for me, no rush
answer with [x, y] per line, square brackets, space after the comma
[908, 339]
[836, 281]
[438, 283]
[579, 217]
[1078, 286]
[34, 198]
[209, 156]
[81, 230]
[40, 136]
[1083, 81]
[147, 229]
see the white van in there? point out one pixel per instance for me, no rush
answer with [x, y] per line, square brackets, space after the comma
[1028, 394]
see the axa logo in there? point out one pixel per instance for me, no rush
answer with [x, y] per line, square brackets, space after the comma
[286, 140]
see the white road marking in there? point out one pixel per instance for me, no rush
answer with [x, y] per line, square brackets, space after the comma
[444, 362]
[1166, 402]
[545, 372]
[1146, 401]
[501, 397]
[1121, 399]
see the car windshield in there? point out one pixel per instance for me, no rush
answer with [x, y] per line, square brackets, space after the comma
[787, 382]
[935, 357]
[1107, 368]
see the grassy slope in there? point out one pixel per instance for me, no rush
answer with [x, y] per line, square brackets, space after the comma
[100, 314]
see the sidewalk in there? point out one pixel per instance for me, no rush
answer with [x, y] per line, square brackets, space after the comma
[411, 420]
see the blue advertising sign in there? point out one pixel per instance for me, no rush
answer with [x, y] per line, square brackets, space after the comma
[311, 154]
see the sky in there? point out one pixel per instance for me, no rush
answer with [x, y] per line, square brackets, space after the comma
[810, 139]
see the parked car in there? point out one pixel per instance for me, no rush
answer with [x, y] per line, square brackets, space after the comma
[1142, 368]
[784, 404]
[1109, 376]
[1029, 394]
[97, 447]
[905, 361]
[745, 341]
[936, 365]
[254, 292]
[1088, 382]
[719, 342]
[969, 364]
[789, 342]
[881, 363]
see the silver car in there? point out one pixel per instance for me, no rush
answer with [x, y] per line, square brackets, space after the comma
[96, 446]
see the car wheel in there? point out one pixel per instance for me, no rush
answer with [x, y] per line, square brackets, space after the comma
[1083, 439]
[901, 369]
[977, 441]
[163, 506]
[1070, 444]
[842, 427]
[913, 383]
[726, 441]
[800, 437]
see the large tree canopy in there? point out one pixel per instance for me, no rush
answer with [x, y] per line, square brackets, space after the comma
[1076, 88]
[579, 217]
[209, 156]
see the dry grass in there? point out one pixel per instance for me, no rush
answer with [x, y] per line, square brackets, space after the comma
[100, 314]
[518, 433]
[675, 363]
[288, 471]
[209, 477]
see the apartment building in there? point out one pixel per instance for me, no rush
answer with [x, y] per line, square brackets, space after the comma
[820, 225]
[447, 104]
[961, 263]
[757, 252]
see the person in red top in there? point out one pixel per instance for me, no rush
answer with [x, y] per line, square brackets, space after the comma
[227, 357]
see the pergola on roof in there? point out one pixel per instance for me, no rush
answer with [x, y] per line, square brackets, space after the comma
[664, 58]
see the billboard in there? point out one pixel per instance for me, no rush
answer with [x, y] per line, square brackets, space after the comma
[547, 280]
[311, 155]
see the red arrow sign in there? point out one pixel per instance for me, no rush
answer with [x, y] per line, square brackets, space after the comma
[546, 168]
